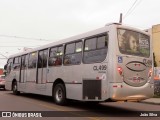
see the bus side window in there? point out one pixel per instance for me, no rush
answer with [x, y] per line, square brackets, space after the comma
[32, 60]
[42, 58]
[95, 49]
[23, 62]
[17, 62]
[73, 53]
[55, 56]
[26, 61]
[9, 66]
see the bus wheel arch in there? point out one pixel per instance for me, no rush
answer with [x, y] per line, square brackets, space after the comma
[59, 92]
[14, 87]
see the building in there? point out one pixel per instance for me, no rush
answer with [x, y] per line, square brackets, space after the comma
[156, 43]
[155, 35]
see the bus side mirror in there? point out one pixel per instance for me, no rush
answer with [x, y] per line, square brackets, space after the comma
[5, 70]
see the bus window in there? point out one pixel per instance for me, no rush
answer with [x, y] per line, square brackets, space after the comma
[95, 49]
[101, 42]
[90, 44]
[78, 47]
[9, 66]
[73, 53]
[32, 60]
[45, 55]
[17, 62]
[133, 43]
[42, 60]
[26, 60]
[55, 57]
[70, 48]
[23, 62]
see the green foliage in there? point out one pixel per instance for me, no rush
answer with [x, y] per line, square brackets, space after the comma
[155, 63]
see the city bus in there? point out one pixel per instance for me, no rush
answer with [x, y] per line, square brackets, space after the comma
[112, 63]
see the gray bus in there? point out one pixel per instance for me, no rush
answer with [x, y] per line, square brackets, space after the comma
[114, 62]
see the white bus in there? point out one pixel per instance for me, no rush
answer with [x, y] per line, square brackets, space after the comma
[114, 62]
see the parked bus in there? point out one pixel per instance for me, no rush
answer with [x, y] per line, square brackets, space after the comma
[114, 63]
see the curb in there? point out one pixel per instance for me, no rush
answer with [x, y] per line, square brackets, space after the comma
[155, 101]
[148, 102]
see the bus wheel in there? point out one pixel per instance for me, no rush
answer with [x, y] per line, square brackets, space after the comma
[59, 94]
[14, 88]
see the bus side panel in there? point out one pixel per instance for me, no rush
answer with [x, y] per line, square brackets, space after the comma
[31, 80]
[55, 72]
[49, 89]
[73, 81]
[9, 78]
[74, 91]
[95, 81]
[8, 85]
[69, 75]
[112, 70]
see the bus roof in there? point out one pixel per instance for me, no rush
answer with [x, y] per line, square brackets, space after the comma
[70, 39]
[62, 41]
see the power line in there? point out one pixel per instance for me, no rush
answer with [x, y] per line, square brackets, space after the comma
[18, 37]
[4, 56]
[134, 5]
[21, 46]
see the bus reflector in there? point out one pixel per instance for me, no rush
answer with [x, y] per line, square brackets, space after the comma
[74, 81]
[137, 64]
[120, 70]
[97, 78]
[117, 86]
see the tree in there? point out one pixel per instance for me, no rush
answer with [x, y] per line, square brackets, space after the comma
[155, 63]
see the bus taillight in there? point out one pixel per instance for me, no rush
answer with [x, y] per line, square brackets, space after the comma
[120, 70]
[150, 73]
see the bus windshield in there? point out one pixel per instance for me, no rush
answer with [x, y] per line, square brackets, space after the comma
[133, 43]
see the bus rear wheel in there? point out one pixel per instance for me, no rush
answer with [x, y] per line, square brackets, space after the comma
[59, 94]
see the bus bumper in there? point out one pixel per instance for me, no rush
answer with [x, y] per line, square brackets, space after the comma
[124, 92]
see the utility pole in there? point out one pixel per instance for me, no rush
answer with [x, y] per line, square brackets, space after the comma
[120, 19]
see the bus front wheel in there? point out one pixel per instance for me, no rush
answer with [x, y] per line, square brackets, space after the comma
[59, 94]
[14, 88]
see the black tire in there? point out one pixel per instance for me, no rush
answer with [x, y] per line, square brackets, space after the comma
[59, 94]
[14, 89]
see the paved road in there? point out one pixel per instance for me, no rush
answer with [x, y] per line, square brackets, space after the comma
[75, 110]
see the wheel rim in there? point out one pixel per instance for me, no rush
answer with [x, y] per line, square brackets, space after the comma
[59, 94]
[15, 88]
